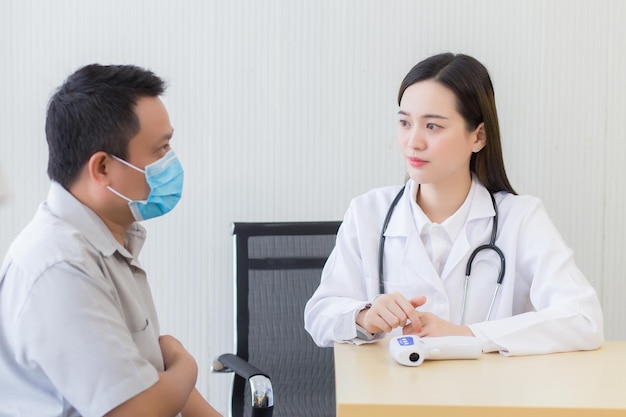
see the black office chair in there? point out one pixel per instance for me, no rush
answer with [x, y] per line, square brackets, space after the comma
[278, 267]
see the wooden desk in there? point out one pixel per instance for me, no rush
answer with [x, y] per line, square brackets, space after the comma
[369, 382]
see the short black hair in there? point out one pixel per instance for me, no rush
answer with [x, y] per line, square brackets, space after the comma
[92, 111]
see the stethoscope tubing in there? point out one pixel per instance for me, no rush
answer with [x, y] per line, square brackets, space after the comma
[381, 243]
[468, 269]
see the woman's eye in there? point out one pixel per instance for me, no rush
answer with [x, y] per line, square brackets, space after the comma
[431, 126]
[403, 123]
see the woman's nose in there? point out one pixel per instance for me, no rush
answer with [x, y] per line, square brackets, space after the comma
[415, 139]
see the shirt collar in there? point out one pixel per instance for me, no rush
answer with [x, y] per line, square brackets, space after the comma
[453, 224]
[68, 209]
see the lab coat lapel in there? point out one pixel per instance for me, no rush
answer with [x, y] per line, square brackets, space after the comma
[402, 224]
[459, 249]
[470, 238]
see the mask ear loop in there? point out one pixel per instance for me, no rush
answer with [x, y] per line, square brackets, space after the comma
[118, 194]
[128, 164]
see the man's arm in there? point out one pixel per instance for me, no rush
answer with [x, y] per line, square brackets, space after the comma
[172, 391]
[198, 407]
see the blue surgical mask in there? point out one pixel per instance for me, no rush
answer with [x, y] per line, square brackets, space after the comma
[165, 178]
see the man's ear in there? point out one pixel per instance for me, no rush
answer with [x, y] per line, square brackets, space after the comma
[98, 168]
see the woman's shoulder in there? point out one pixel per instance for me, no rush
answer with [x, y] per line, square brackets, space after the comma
[367, 210]
[518, 203]
[516, 199]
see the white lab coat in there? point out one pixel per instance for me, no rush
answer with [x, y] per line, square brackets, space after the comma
[545, 303]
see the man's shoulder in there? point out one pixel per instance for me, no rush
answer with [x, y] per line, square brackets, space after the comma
[47, 240]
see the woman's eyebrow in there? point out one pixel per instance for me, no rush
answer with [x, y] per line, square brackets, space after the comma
[425, 116]
[433, 116]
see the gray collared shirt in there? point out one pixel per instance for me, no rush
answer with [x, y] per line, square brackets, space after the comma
[78, 327]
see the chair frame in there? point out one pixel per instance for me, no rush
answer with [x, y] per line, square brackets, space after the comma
[242, 231]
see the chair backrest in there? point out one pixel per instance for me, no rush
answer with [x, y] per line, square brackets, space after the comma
[277, 269]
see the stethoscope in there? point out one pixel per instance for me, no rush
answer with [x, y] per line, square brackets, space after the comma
[468, 269]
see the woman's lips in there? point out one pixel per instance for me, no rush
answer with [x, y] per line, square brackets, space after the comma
[416, 162]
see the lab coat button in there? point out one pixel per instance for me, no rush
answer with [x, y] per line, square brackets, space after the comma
[440, 298]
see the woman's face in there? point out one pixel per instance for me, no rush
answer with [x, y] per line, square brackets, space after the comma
[433, 136]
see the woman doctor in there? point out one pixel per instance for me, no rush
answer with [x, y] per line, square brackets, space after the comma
[449, 136]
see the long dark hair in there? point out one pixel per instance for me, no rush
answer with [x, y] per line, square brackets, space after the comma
[469, 80]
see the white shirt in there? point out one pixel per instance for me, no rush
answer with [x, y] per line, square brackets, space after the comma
[545, 303]
[78, 328]
[438, 238]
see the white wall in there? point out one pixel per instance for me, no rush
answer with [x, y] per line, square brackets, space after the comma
[285, 110]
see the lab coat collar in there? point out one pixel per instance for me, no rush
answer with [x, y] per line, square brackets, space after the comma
[481, 207]
[402, 224]
[399, 223]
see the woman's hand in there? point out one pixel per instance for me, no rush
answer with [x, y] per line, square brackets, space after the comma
[433, 326]
[389, 311]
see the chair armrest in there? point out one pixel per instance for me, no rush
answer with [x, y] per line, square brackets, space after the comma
[234, 363]
[260, 383]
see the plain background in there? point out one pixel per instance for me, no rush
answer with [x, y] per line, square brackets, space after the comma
[286, 109]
